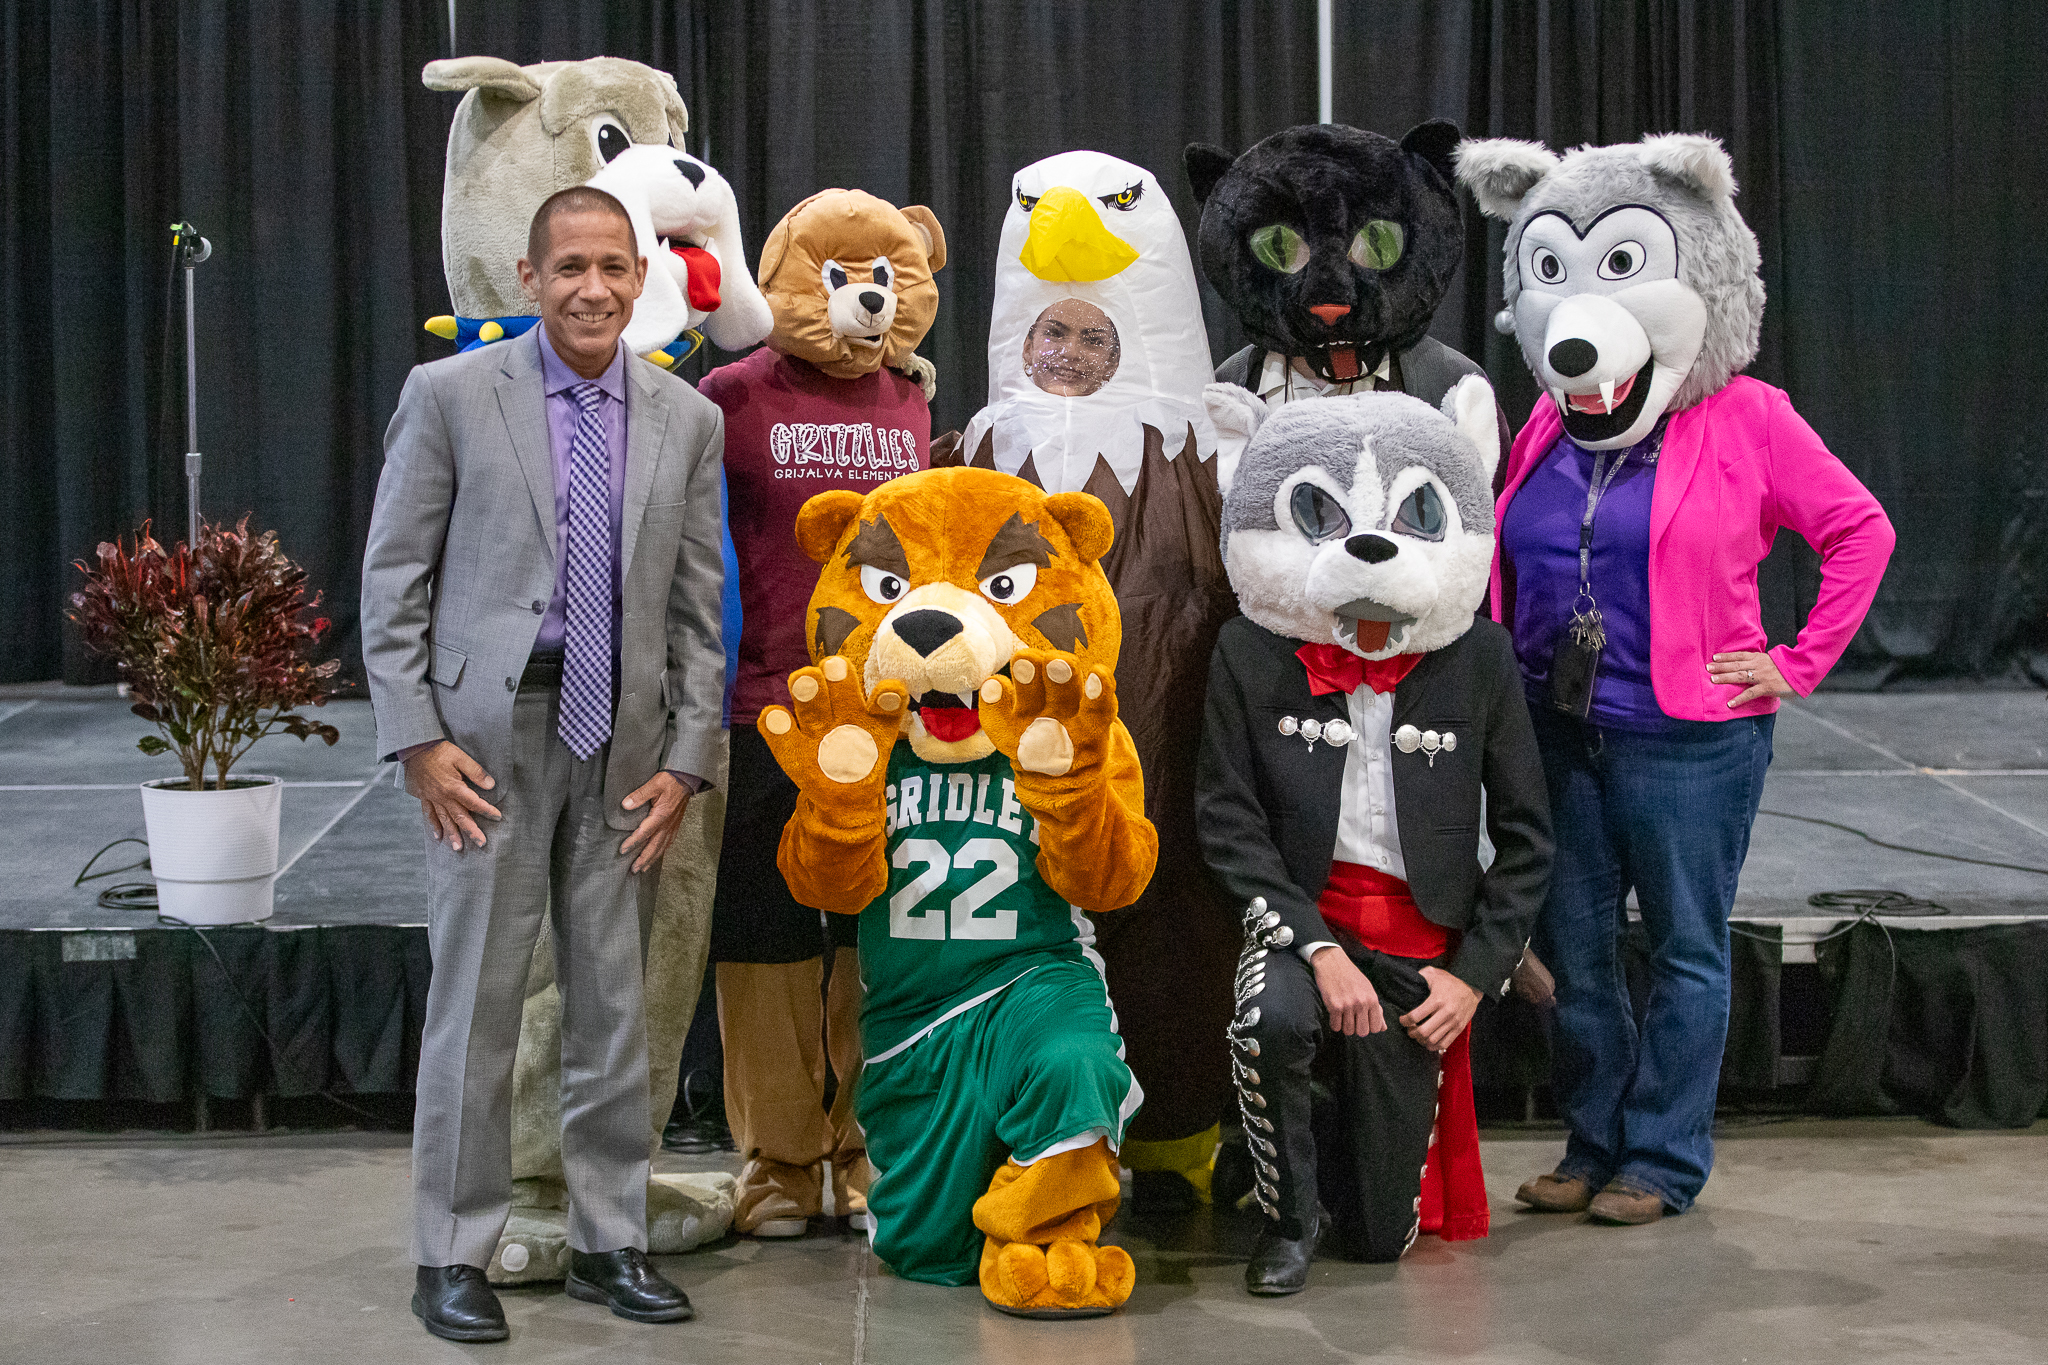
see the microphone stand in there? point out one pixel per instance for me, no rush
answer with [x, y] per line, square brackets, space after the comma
[193, 250]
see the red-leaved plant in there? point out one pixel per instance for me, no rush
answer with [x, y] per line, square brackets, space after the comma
[214, 646]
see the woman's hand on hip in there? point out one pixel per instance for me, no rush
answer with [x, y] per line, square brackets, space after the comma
[1754, 673]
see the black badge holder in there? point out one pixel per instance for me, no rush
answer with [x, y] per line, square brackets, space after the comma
[1575, 658]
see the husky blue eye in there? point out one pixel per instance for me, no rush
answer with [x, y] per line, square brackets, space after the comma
[1318, 515]
[1279, 247]
[1377, 245]
[1421, 514]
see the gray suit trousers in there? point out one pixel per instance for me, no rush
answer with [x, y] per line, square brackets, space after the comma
[552, 854]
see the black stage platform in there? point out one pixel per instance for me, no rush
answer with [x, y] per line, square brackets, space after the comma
[1942, 1014]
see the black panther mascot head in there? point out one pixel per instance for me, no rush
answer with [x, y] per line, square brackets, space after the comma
[1331, 243]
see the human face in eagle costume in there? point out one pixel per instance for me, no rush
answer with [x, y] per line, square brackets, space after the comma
[1097, 329]
[1100, 382]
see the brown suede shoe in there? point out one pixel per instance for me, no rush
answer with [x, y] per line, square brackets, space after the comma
[1555, 1193]
[1620, 1203]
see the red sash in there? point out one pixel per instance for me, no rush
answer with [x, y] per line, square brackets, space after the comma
[1380, 913]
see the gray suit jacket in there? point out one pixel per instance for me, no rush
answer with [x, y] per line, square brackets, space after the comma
[462, 562]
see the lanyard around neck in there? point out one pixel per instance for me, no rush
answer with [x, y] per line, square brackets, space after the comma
[1596, 488]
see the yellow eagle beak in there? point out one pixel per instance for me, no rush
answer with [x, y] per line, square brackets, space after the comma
[1068, 241]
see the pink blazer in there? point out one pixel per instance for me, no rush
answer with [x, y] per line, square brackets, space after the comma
[1734, 468]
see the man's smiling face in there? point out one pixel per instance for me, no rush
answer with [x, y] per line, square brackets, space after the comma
[586, 286]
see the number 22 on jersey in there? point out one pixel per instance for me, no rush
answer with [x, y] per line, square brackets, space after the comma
[911, 917]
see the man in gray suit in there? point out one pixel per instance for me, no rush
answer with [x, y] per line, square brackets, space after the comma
[541, 623]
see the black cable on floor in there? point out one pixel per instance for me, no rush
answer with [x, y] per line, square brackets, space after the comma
[1904, 848]
[125, 895]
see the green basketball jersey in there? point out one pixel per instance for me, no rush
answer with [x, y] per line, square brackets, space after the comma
[966, 912]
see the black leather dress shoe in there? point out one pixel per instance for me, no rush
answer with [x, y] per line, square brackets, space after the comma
[455, 1302]
[1279, 1265]
[631, 1287]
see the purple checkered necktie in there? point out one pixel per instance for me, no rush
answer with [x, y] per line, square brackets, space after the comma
[585, 722]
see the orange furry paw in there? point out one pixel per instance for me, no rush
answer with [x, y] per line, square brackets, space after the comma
[1067, 1279]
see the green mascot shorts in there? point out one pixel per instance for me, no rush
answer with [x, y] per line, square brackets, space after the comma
[1034, 1066]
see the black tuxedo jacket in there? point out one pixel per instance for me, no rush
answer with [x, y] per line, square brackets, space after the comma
[1267, 803]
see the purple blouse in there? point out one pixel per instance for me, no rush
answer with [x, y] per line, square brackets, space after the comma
[1540, 540]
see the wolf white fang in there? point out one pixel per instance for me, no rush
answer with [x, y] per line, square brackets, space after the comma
[1366, 521]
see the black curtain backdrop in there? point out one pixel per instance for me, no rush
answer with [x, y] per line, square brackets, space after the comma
[297, 136]
[1891, 162]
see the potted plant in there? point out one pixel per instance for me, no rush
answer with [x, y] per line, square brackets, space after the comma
[214, 643]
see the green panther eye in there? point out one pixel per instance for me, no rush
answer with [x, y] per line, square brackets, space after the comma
[1279, 247]
[1377, 245]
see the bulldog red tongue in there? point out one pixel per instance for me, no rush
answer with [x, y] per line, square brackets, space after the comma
[1344, 364]
[949, 724]
[704, 276]
[1372, 635]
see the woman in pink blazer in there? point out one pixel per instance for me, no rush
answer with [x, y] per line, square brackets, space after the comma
[1640, 498]
[1656, 785]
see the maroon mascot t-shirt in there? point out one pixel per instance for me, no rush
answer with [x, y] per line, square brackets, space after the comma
[791, 433]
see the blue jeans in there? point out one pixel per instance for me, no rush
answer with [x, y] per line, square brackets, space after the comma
[1669, 814]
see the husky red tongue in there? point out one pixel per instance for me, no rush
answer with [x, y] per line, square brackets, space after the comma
[1344, 364]
[1372, 635]
[949, 724]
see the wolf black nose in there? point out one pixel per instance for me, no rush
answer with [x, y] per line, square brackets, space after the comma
[1573, 356]
[1373, 549]
[692, 173]
[925, 631]
[871, 300]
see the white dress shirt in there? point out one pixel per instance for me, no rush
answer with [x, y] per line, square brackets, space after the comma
[1368, 830]
[1280, 382]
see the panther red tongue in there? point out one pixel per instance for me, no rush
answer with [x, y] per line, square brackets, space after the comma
[1344, 364]
[949, 724]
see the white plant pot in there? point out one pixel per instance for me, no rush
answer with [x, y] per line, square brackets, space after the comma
[214, 853]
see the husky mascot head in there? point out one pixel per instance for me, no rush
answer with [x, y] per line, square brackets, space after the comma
[1366, 521]
[1630, 280]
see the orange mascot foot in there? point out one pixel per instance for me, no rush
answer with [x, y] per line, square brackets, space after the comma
[1043, 1221]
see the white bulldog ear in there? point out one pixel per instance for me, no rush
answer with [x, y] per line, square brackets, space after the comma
[1500, 170]
[1469, 405]
[742, 318]
[1694, 160]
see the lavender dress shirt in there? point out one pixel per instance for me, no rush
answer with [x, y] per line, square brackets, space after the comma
[557, 379]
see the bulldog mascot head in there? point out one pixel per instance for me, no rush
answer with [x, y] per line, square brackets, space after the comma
[523, 132]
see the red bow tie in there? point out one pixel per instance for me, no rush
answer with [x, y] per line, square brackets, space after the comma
[1333, 668]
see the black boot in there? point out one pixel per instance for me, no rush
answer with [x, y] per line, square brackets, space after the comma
[625, 1282]
[455, 1302]
[1273, 1044]
[1279, 1265]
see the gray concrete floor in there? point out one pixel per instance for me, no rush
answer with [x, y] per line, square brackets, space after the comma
[1884, 1240]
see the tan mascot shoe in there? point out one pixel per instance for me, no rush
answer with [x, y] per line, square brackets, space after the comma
[1042, 1258]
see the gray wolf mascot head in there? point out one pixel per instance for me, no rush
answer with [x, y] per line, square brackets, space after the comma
[1630, 280]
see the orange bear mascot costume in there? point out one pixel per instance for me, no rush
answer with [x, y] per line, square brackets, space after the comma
[967, 789]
